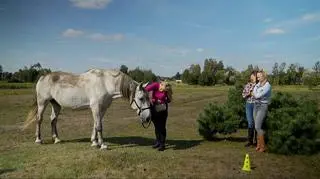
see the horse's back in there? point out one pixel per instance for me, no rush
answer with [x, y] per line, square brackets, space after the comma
[67, 89]
[71, 90]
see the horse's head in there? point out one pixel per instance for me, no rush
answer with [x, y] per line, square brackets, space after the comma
[141, 103]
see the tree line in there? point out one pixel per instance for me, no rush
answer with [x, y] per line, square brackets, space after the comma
[31, 74]
[214, 72]
[26, 74]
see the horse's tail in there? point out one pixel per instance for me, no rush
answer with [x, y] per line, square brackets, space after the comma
[32, 115]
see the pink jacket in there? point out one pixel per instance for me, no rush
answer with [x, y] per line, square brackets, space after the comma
[157, 96]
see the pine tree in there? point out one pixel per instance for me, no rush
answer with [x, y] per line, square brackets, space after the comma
[216, 119]
[292, 124]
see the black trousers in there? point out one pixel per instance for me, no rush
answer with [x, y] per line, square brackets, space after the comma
[159, 120]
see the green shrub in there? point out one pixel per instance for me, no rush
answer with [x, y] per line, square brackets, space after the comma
[236, 104]
[216, 119]
[292, 125]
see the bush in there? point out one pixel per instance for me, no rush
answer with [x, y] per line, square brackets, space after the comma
[236, 104]
[216, 119]
[293, 125]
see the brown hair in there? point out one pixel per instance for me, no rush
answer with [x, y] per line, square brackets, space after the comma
[255, 74]
[169, 91]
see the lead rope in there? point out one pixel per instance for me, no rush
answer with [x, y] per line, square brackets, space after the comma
[148, 124]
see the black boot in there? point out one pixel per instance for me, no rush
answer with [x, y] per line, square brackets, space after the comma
[162, 147]
[250, 137]
[162, 141]
[255, 142]
[156, 145]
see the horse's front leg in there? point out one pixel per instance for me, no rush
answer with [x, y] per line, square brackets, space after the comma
[94, 138]
[98, 116]
[41, 107]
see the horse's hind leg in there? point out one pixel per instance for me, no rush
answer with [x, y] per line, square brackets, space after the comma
[41, 107]
[54, 118]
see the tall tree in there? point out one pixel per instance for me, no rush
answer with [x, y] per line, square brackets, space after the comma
[177, 76]
[1, 73]
[275, 74]
[291, 75]
[220, 65]
[195, 72]
[282, 74]
[124, 69]
[299, 74]
[316, 67]
[186, 76]
[230, 74]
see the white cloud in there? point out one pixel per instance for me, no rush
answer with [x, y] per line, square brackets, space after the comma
[274, 31]
[176, 50]
[311, 17]
[297, 22]
[199, 50]
[72, 33]
[90, 4]
[267, 20]
[105, 38]
[268, 56]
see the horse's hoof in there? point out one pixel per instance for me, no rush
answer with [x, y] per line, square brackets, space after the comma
[94, 144]
[56, 140]
[103, 147]
[38, 141]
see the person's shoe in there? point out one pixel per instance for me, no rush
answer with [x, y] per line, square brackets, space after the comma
[258, 143]
[262, 144]
[250, 137]
[161, 148]
[156, 145]
[249, 144]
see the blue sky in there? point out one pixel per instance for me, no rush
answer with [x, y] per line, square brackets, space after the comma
[165, 36]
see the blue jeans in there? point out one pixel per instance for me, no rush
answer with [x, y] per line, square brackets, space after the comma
[260, 114]
[249, 114]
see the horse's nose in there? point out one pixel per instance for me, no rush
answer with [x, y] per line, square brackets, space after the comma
[148, 119]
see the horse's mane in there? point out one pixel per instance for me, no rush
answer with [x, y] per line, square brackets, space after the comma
[127, 86]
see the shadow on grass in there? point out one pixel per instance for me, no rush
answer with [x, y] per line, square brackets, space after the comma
[178, 144]
[231, 139]
[6, 170]
[132, 141]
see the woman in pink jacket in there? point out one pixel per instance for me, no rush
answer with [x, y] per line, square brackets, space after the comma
[160, 96]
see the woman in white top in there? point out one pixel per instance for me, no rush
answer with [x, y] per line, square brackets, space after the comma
[262, 95]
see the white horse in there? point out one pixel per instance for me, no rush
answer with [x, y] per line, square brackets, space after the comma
[93, 89]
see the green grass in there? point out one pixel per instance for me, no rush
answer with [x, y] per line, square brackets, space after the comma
[6, 85]
[130, 154]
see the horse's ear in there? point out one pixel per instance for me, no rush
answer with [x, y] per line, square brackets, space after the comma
[145, 85]
[140, 86]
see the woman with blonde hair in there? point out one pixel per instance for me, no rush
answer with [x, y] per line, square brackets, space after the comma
[160, 97]
[262, 95]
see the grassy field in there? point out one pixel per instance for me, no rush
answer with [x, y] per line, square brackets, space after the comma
[6, 85]
[130, 154]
